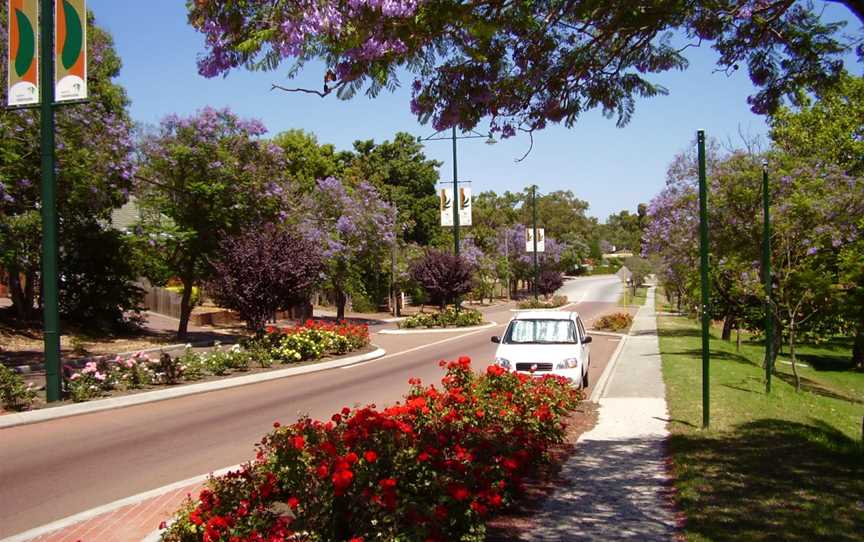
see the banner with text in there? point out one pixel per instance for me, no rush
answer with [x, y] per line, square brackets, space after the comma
[22, 46]
[465, 206]
[445, 196]
[529, 240]
[70, 55]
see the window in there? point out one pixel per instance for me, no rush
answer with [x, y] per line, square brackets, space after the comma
[582, 332]
[541, 331]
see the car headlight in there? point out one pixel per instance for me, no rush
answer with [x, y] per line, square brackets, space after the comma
[568, 363]
[503, 363]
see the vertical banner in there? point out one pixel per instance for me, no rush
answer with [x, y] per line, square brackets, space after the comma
[70, 54]
[22, 52]
[465, 206]
[529, 240]
[446, 205]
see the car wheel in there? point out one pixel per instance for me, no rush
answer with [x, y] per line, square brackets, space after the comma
[585, 380]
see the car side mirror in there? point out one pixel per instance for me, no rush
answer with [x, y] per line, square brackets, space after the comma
[496, 339]
[587, 339]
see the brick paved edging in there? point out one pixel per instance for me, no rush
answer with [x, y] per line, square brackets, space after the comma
[35, 416]
[97, 518]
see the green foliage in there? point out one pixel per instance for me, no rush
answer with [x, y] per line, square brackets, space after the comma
[14, 393]
[306, 160]
[614, 322]
[447, 318]
[829, 128]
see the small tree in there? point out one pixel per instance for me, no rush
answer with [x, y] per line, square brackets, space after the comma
[444, 276]
[550, 282]
[263, 271]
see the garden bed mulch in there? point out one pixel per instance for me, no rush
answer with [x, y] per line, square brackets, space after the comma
[519, 518]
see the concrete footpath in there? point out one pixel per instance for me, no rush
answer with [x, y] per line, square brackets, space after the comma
[619, 486]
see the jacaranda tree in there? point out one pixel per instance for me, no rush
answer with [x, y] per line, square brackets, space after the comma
[354, 228]
[524, 64]
[262, 271]
[205, 178]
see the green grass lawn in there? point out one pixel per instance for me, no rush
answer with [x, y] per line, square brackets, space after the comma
[628, 299]
[785, 466]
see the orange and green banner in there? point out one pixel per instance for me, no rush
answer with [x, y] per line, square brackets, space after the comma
[70, 58]
[23, 52]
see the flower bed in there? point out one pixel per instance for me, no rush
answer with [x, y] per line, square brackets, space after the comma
[309, 341]
[554, 303]
[447, 318]
[614, 322]
[434, 467]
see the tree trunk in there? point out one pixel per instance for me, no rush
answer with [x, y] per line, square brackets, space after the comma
[792, 355]
[19, 298]
[728, 325]
[737, 338]
[341, 301]
[777, 344]
[858, 347]
[185, 307]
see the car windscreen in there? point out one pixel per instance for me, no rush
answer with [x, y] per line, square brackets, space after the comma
[541, 332]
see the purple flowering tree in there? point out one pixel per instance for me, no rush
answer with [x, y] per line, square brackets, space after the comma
[95, 167]
[204, 178]
[355, 230]
[262, 271]
[443, 275]
[523, 64]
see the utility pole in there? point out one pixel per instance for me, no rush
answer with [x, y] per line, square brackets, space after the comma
[50, 301]
[703, 254]
[534, 215]
[766, 271]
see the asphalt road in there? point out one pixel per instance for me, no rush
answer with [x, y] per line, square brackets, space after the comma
[57, 468]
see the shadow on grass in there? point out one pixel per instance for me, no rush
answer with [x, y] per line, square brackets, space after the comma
[818, 388]
[679, 332]
[696, 353]
[771, 480]
[822, 362]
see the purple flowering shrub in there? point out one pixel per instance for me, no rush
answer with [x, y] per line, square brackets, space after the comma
[550, 281]
[443, 276]
[263, 271]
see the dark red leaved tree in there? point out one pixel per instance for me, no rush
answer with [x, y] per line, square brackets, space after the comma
[263, 271]
[444, 276]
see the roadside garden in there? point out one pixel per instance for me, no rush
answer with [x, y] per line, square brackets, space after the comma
[434, 467]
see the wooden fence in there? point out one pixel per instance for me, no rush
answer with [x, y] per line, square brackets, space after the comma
[160, 300]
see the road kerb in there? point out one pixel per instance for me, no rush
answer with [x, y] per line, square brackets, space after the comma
[36, 416]
[603, 381]
[487, 325]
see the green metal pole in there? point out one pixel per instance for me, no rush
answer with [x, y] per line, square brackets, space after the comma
[51, 314]
[455, 199]
[534, 213]
[703, 255]
[456, 203]
[766, 270]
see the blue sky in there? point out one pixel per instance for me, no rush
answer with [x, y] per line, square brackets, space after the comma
[611, 168]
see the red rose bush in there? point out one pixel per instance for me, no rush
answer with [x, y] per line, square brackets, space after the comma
[433, 467]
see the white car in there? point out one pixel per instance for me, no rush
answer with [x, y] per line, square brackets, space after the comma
[546, 342]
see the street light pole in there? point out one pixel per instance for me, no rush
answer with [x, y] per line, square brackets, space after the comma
[703, 254]
[456, 201]
[534, 215]
[766, 270]
[50, 301]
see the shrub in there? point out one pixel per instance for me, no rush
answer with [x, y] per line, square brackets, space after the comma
[131, 373]
[555, 302]
[614, 322]
[169, 370]
[90, 382]
[550, 281]
[443, 276]
[264, 271]
[434, 467]
[15, 394]
[449, 317]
